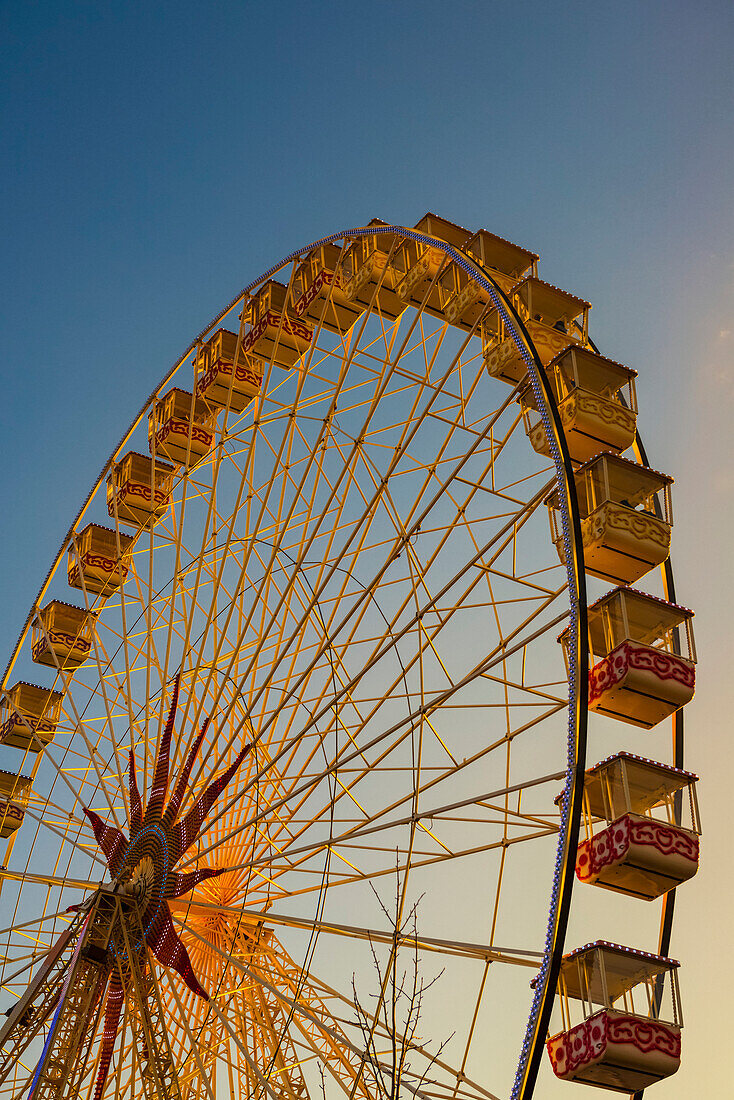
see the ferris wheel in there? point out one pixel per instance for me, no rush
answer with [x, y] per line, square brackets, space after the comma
[294, 739]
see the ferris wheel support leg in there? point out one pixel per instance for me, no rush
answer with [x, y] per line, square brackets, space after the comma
[68, 1044]
[28, 1015]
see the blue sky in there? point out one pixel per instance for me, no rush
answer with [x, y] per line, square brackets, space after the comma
[159, 157]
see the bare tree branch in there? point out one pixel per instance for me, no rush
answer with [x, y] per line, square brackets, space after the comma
[399, 1006]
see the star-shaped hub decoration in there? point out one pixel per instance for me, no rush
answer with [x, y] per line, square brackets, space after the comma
[144, 863]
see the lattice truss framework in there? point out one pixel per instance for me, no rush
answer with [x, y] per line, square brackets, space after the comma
[358, 580]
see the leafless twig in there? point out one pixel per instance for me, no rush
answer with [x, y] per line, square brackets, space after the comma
[397, 1014]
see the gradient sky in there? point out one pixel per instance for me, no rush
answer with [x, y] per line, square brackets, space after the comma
[158, 157]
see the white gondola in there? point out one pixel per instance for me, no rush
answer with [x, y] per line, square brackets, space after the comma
[15, 792]
[219, 383]
[99, 559]
[506, 263]
[636, 674]
[642, 848]
[626, 1043]
[180, 427]
[139, 489]
[29, 716]
[424, 266]
[626, 518]
[370, 274]
[62, 635]
[275, 334]
[318, 291]
[554, 319]
[596, 402]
